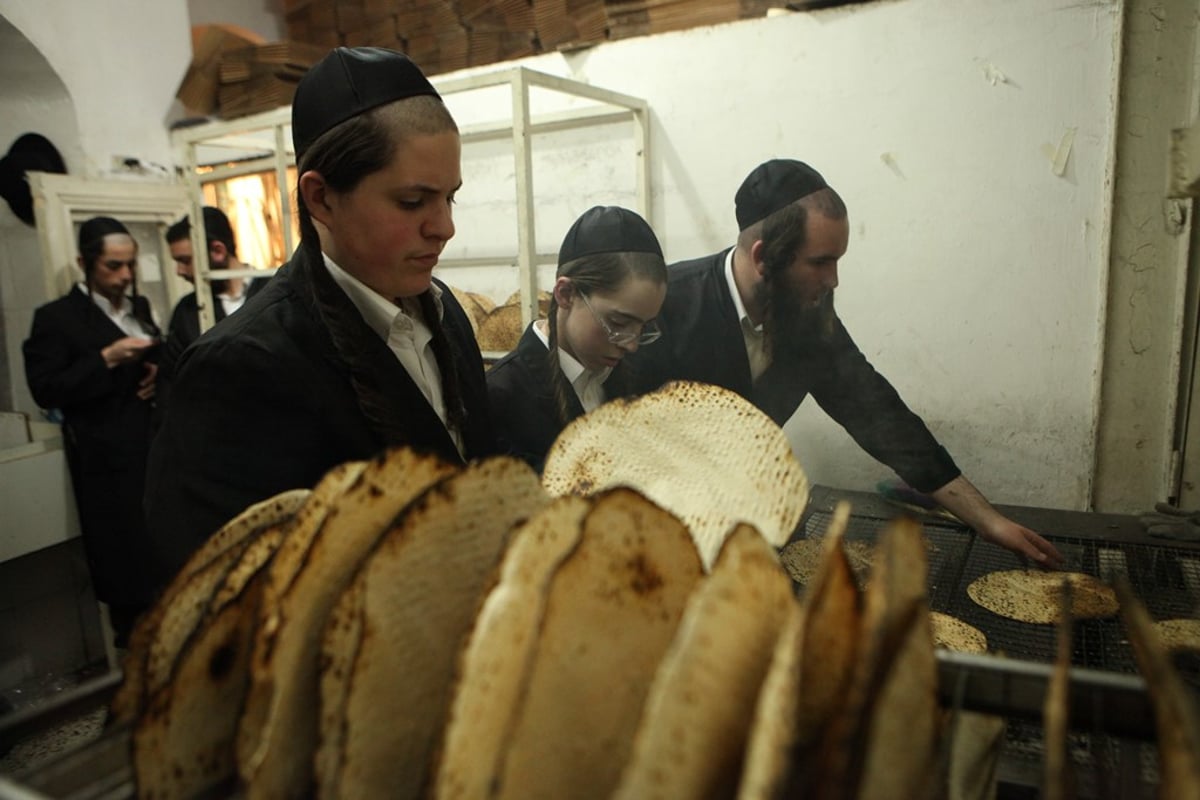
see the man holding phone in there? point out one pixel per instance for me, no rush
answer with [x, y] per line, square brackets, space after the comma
[91, 356]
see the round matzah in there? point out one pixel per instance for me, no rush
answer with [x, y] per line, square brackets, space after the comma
[951, 633]
[703, 453]
[802, 557]
[475, 306]
[1028, 595]
[501, 330]
[1179, 634]
[485, 303]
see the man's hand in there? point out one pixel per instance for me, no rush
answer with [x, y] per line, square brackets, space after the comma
[146, 385]
[1024, 542]
[122, 351]
[968, 504]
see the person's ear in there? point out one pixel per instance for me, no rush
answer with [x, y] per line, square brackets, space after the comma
[316, 196]
[216, 250]
[756, 257]
[564, 292]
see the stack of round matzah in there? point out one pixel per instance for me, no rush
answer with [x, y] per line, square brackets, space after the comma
[415, 629]
[543, 301]
[477, 306]
[500, 330]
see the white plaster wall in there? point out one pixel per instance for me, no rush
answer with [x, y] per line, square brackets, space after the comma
[121, 62]
[264, 17]
[975, 272]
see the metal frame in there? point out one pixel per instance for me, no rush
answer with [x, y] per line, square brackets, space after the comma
[1117, 705]
[520, 128]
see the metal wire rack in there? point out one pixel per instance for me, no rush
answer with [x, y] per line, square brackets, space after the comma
[1165, 577]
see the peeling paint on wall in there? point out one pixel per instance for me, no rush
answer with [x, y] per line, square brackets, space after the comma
[890, 160]
[1141, 327]
[993, 75]
[1059, 156]
[1175, 214]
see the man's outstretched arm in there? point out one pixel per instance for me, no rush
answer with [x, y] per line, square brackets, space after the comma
[967, 503]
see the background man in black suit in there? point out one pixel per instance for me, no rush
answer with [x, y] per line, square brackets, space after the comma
[91, 355]
[758, 319]
[227, 295]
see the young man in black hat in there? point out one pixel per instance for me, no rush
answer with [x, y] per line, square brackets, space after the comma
[227, 295]
[758, 319]
[608, 288]
[353, 346]
[90, 354]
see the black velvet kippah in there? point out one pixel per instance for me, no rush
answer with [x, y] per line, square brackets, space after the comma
[773, 185]
[97, 228]
[348, 82]
[608, 229]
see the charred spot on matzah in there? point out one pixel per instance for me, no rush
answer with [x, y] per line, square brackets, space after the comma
[645, 577]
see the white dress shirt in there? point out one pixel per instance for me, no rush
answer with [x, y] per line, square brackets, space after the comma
[230, 302]
[404, 330]
[122, 316]
[587, 383]
[752, 335]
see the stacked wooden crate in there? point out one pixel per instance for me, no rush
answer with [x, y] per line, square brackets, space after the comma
[263, 77]
[200, 86]
[642, 17]
[444, 35]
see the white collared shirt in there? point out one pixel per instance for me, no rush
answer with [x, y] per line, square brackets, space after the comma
[587, 383]
[230, 302]
[752, 335]
[404, 330]
[122, 317]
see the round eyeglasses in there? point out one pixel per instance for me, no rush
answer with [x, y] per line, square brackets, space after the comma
[644, 333]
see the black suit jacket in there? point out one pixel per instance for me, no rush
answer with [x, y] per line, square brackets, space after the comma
[524, 409]
[702, 341]
[184, 329]
[262, 403]
[106, 433]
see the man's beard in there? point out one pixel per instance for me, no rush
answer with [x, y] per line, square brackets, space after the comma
[791, 326]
